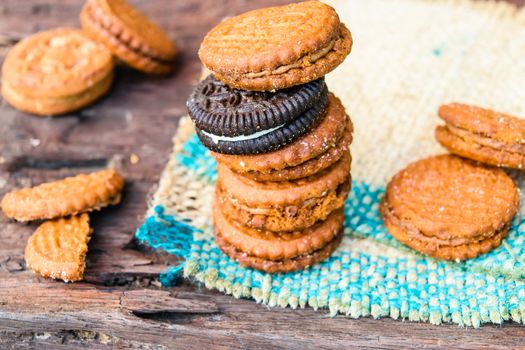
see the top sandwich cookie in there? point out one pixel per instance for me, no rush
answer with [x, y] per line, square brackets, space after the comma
[483, 135]
[55, 72]
[129, 34]
[277, 47]
[450, 208]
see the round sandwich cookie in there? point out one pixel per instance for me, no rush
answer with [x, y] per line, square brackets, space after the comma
[56, 72]
[280, 266]
[277, 47]
[129, 34]
[220, 110]
[283, 206]
[267, 140]
[278, 246]
[450, 208]
[315, 151]
[483, 135]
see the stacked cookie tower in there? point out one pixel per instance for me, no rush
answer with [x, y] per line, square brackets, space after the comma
[280, 138]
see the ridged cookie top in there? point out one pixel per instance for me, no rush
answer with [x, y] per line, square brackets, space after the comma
[267, 38]
[449, 198]
[56, 63]
[132, 28]
[485, 122]
[81, 193]
[58, 248]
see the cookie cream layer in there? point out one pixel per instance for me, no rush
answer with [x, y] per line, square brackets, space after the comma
[216, 138]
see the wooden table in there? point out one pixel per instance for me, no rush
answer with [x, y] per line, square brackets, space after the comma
[121, 303]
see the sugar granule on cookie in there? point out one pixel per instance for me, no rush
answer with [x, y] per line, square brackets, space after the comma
[58, 248]
[70, 196]
[56, 72]
[450, 208]
[277, 47]
[483, 135]
[129, 34]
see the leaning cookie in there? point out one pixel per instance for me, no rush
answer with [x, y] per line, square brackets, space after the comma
[70, 196]
[277, 47]
[449, 208]
[483, 135]
[56, 72]
[283, 206]
[267, 140]
[129, 34]
[317, 150]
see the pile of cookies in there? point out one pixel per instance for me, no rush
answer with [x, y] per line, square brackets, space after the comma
[280, 137]
[58, 247]
[65, 69]
[457, 208]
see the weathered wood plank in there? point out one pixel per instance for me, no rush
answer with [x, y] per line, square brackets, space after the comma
[120, 304]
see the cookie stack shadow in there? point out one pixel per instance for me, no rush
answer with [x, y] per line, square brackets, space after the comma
[280, 138]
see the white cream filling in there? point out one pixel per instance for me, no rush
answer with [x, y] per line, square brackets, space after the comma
[216, 139]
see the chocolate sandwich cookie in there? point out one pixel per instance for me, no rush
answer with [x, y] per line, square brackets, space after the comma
[315, 151]
[56, 72]
[283, 206]
[129, 34]
[449, 208]
[483, 135]
[278, 246]
[221, 110]
[267, 140]
[278, 47]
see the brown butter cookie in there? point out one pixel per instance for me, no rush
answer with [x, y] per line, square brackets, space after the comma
[447, 202]
[277, 47]
[287, 205]
[277, 245]
[129, 34]
[56, 72]
[58, 248]
[282, 266]
[70, 196]
[483, 135]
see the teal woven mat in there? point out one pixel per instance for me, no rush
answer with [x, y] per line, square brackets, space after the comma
[404, 65]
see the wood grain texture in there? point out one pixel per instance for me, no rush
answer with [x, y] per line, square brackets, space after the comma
[121, 303]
